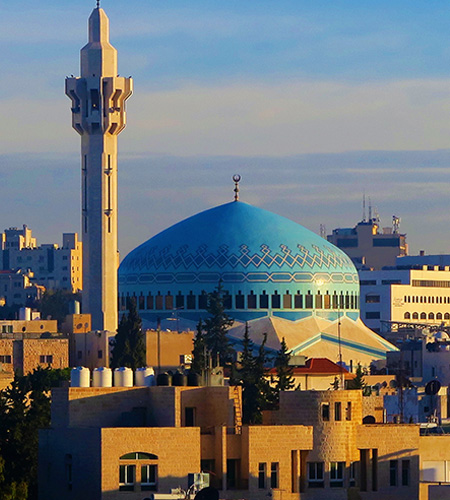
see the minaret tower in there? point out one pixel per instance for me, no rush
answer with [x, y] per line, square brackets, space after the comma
[98, 115]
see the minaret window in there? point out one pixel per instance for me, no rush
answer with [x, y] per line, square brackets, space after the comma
[308, 301]
[203, 300]
[169, 301]
[190, 300]
[95, 99]
[159, 301]
[227, 301]
[318, 301]
[149, 301]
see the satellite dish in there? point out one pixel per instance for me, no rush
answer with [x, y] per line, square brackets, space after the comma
[208, 493]
[432, 388]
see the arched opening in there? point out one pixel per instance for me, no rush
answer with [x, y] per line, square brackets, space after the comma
[140, 466]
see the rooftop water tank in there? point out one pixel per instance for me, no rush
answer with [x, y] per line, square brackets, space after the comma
[145, 377]
[102, 377]
[80, 377]
[164, 379]
[123, 377]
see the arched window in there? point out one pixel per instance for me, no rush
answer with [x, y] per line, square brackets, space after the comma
[431, 316]
[131, 464]
[447, 316]
[439, 316]
[407, 315]
[423, 315]
[415, 315]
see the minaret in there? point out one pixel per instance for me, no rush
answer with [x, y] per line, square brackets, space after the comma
[98, 115]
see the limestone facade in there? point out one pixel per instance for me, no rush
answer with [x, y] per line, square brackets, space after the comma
[123, 442]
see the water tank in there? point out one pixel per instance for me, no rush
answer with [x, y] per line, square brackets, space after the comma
[80, 377]
[102, 377]
[74, 307]
[164, 379]
[144, 377]
[123, 377]
[25, 314]
[179, 379]
[194, 379]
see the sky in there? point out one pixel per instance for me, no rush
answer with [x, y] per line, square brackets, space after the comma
[312, 103]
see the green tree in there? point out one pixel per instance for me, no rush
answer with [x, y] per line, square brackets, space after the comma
[24, 409]
[358, 381]
[55, 304]
[129, 347]
[251, 375]
[284, 372]
[198, 353]
[216, 327]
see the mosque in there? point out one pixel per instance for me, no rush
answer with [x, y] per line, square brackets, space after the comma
[278, 276]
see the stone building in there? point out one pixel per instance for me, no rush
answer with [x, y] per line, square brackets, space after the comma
[26, 345]
[113, 443]
[17, 288]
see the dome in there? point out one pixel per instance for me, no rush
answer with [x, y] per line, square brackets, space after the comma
[268, 265]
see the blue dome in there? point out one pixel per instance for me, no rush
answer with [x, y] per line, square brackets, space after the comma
[268, 265]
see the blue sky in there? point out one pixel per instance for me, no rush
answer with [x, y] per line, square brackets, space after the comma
[312, 102]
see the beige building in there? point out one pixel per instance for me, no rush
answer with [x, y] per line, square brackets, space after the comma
[113, 443]
[18, 288]
[368, 245]
[51, 266]
[405, 296]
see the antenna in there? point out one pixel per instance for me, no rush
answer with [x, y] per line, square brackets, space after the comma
[364, 207]
[370, 210]
[98, 4]
[236, 179]
[395, 224]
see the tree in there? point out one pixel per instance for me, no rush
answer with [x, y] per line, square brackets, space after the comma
[358, 381]
[256, 391]
[198, 353]
[55, 304]
[284, 372]
[129, 347]
[216, 327]
[24, 409]
[335, 385]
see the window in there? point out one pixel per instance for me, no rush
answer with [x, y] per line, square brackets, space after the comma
[373, 315]
[126, 477]
[430, 316]
[46, 359]
[251, 301]
[423, 315]
[337, 474]
[190, 301]
[315, 475]
[308, 301]
[298, 301]
[203, 300]
[415, 315]
[325, 412]
[189, 416]
[79, 354]
[337, 411]
[264, 300]
[262, 475]
[274, 475]
[276, 300]
[405, 472]
[149, 474]
[352, 474]
[100, 354]
[372, 299]
[5, 359]
[407, 315]
[348, 411]
[393, 472]
[240, 300]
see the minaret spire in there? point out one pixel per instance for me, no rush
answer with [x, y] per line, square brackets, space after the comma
[98, 115]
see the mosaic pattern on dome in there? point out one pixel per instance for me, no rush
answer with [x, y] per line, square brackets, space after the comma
[237, 277]
[163, 258]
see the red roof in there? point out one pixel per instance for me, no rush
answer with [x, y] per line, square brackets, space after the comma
[317, 366]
